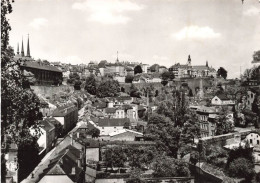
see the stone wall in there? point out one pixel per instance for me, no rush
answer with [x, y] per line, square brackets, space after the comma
[48, 91]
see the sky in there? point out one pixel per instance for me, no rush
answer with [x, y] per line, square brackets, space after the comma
[223, 32]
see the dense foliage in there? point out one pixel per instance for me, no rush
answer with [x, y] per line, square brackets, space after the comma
[222, 72]
[129, 78]
[168, 167]
[138, 69]
[91, 85]
[242, 168]
[20, 106]
[108, 88]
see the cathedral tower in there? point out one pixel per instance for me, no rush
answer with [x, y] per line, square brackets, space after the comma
[22, 51]
[189, 61]
[28, 48]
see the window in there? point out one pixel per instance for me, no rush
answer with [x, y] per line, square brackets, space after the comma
[251, 141]
[257, 142]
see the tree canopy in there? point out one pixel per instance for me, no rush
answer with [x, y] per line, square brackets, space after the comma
[138, 69]
[222, 73]
[108, 88]
[91, 84]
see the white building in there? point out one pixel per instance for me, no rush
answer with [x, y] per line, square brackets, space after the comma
[107, 125]
[222, 100]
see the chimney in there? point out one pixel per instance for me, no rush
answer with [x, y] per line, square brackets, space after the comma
[79, 163]
[73, 171]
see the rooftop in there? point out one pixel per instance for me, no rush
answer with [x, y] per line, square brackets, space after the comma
[106, 122]
[41, 66]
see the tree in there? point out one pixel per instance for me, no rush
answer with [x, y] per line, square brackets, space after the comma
[161, 130]
[222, 72]
[241, 152]
[108, 88]
[20, 106]
[134, 91]
[129, 78]
[224, 124]
[77, 84]
[135, 176]
[138, 69]
[242, 168]
[73, 77]
[256, 57]
[191, 129]
[167, 75]
[91, 84]
[168, 167]
[141, 157]
[95, 132]
[114, 157]
[28, 157]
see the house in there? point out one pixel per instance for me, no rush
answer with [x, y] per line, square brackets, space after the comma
[207, 119]
[253, 139]
[47, 138]
[251, 94]
[107, 126]
[67, 116]
[125, 135]
[221, 100]
[110, 112]
[44, 74]
[123, 100]
[66, 167]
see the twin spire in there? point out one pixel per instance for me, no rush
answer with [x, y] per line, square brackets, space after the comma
[22, 50]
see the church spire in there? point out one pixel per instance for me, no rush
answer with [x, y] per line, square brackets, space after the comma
[207, 65]
[22, 52]
[18, 49]
[189, 61]
[28, 48]
[117, 57]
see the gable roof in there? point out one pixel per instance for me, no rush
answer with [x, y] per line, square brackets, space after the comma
[223, 97]
[63, 163]
[110, 110]
[46, 125]
[125, 131]
[41, 66]
[200, 67]
[106, 122]
[61, 112]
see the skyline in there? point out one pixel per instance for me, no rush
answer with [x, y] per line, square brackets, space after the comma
[163, 32]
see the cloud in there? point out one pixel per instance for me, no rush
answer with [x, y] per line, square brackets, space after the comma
[37, 23]
[252, 11]
[195, 32]
[108, 11]
[160, 58]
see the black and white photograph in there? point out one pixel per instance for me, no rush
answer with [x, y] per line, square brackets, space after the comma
[130, 91]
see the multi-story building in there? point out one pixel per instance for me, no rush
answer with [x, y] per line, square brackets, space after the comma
[207, 118]
[189, 71]
[67, 116]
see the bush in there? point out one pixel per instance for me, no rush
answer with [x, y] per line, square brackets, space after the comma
[242, 168]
